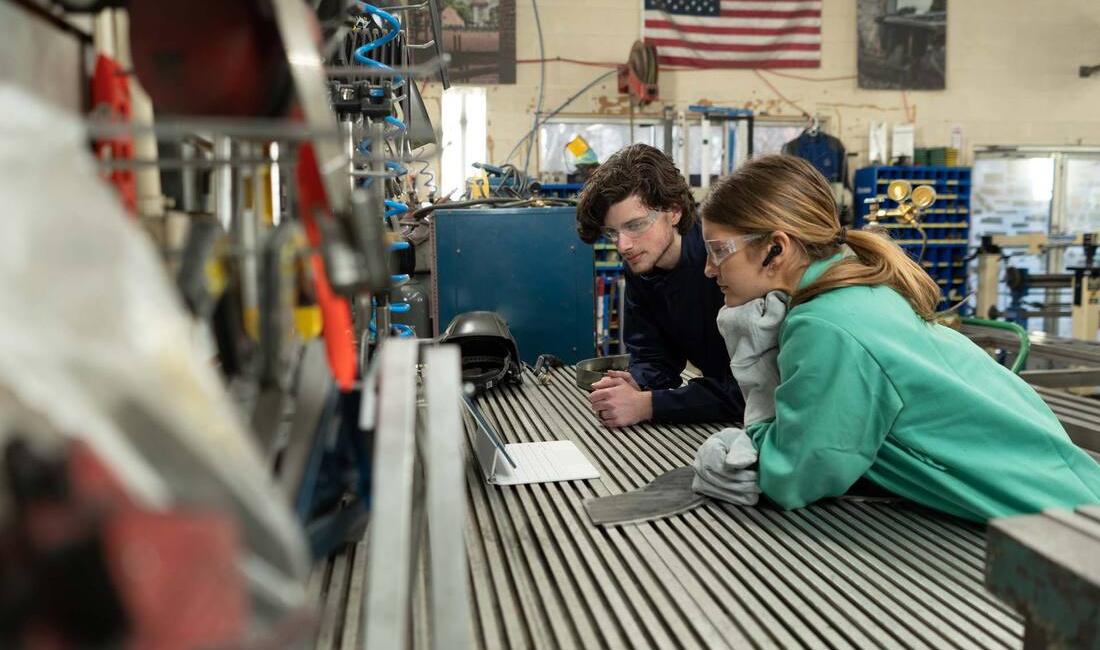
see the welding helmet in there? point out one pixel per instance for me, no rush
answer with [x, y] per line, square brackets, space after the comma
[490, 356]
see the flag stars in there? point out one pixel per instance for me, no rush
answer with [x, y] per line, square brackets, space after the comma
[686, 7]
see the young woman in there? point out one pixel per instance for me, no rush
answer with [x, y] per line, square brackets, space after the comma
[868, 384]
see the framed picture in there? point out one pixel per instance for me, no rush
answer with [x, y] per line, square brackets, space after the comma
[902, 44]
[480, 36]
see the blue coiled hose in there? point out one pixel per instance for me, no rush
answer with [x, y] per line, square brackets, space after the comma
[395, 29]
[394, 208]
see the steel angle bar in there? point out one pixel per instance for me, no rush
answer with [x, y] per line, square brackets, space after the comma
[390, 555]
[450, 589]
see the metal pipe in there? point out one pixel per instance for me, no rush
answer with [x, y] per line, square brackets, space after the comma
[666, 124]
[189, 163]
[189, 179]
[704, 152]
[421, 70]
[347, 126]
[241, 129]
[419, 5]
[275, 186]
[223, 183]
[248, 234]
[383, 318]
[1046, 313]
[1051, 280]
[234, 161]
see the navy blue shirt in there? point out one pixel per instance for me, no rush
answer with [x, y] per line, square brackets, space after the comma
[671, 318]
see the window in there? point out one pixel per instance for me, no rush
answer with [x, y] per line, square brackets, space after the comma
[610, 135]
[1082, 194]
[1011, 195]
[464, 136]
[605, 138]
[1032, 190]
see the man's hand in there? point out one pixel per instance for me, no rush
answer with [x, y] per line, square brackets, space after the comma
[616, 378]
[619, 403]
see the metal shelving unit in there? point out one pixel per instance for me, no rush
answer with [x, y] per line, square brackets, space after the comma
[946, 223]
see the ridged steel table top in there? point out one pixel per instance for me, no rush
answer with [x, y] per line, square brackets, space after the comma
[842, 574]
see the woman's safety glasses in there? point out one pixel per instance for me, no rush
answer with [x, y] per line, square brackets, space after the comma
[633, 228]
[719, 250]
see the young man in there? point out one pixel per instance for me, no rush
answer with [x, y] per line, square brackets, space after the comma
[639, 201]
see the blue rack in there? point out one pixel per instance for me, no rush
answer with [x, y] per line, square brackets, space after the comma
[947, 222]
[609, 272]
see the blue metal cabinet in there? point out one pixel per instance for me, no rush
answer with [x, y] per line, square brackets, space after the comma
[528, 265]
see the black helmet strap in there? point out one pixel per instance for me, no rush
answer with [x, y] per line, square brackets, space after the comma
[487, 379]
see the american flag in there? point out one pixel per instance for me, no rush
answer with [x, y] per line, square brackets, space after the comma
[735, 33]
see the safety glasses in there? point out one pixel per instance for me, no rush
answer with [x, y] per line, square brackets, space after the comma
[633, 228]
[719, 250]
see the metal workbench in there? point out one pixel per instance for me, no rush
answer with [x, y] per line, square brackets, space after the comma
[843, 574]
[1079, 415]
[833, 575]
[1043, 346]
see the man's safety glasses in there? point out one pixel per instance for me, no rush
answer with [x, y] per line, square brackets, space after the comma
[633, 228]
[719, 250]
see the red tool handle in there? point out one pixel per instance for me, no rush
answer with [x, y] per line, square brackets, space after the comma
[111, 97]
[337, 326]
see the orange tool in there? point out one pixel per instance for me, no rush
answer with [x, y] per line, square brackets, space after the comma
[336, 314]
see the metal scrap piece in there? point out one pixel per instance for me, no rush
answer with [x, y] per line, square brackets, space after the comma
[667, 495]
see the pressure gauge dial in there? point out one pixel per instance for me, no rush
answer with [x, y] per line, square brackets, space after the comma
[898, 190]
[924, 196]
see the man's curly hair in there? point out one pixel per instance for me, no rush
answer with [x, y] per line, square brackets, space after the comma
[638, 169]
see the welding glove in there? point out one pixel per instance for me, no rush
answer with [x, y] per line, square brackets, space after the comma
[722, 468]
[751, 332]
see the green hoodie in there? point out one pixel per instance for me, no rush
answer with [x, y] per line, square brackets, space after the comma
[868, 388]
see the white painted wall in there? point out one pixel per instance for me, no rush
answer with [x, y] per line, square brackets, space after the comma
[1011, 75]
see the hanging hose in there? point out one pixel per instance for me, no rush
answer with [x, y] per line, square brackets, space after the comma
[395, 29]
[1021, 333]
[425, 170]
[394, 208]
[923, 241]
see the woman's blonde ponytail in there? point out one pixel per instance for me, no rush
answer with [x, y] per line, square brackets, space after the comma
[878, 260]
[785, 193]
